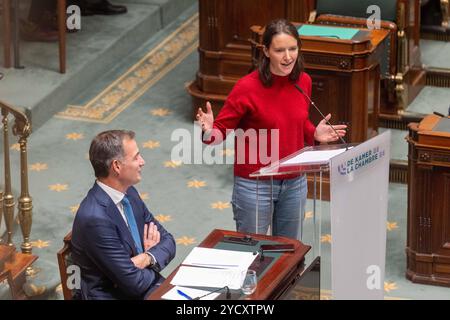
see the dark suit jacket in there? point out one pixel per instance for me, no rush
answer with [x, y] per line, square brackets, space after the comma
[102, 246]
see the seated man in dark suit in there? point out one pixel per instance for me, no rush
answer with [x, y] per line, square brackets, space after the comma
[117, 243]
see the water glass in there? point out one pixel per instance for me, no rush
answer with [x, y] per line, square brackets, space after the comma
[250, 282]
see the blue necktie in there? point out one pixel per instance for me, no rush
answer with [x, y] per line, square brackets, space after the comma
[132, 224]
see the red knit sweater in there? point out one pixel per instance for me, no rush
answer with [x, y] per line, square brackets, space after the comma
[250, 105]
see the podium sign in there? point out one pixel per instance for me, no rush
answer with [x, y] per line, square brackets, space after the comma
[359, 181]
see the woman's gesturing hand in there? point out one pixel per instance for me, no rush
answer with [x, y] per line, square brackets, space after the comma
[206, 120]
[325, 133]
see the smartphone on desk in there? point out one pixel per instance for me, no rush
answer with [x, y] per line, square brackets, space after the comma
[247, 240]
[277, 247]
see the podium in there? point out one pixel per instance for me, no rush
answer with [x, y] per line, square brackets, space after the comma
[298, 163]
[428, 240]
[356, 214]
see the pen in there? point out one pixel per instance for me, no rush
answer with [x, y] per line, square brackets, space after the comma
[181, 293]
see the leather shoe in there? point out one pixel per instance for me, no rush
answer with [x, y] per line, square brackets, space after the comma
[104, 7]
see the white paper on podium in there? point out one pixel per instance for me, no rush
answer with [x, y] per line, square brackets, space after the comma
[173, 294]
[216, 258]
[318, 156]
[208, 277]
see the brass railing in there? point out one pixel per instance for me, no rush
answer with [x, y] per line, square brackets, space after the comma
[445, 9]
[402, 59]
[21, 128]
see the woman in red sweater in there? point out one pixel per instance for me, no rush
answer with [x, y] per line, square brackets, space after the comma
[268, 113]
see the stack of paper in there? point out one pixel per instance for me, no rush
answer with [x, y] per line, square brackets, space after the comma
[215, 258]
[205, 267]
[209, 277]
[318, 156]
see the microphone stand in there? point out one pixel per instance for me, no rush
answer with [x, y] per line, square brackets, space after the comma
[227, 295]
[321, 114]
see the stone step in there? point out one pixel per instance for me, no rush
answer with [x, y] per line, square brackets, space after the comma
[102, 43]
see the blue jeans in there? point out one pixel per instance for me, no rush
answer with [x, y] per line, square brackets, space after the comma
[285, 210]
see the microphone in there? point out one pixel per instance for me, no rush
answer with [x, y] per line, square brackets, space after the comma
[318, 110]
[439, 114]
[227, 295]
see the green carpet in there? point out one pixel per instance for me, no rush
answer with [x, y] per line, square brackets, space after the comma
[146, 93]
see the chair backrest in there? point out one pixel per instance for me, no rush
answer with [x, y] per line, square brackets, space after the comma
[358, 8]
[64, 261]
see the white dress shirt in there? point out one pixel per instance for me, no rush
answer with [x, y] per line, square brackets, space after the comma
[116, 196]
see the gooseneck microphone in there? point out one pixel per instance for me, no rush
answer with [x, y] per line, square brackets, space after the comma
[318, 110]
[227, 295]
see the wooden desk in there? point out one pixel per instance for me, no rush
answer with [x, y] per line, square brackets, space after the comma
[428, 238]
[345, 78]
[273, 283]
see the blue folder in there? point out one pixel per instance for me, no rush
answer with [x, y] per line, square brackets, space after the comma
[327, 32]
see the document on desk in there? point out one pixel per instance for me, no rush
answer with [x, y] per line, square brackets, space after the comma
[183, 293]
[209, 277]
[318, 156]
[216, 258]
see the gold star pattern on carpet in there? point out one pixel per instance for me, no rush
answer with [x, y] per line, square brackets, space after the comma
[172, 164]
[160, 112]
[150, 144]
[74, 209]
[38, 167]
[391, 226]
[162, 218]
[219, 205]
[389, 286]
[196, 184]
[74, 136]
[15, 146]
[58, 187]
[144, 196]
[326, 238]
[308, 215]
[185, 241]
[40, 244]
